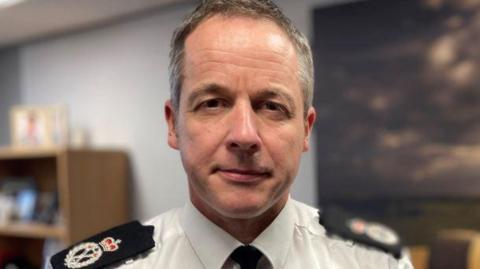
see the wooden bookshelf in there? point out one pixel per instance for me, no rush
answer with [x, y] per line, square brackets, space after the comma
[33, 230]
[92, 188]
[11, 153]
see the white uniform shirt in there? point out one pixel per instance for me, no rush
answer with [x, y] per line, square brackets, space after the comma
[186, 239]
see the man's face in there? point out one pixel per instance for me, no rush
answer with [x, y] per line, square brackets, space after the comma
[240, 125]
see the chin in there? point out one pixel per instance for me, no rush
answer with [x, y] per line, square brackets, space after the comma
[241, 214]
[242, 210]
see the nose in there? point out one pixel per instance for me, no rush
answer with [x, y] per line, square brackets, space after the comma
[243, 135]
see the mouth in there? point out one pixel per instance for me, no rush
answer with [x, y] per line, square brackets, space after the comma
[243, 175]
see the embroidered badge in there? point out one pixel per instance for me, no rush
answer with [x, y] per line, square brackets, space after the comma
[382, 234]
[374, 231]
[357, 226]
[88, 253]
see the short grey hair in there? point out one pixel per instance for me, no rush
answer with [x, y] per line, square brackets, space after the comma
[264, 9]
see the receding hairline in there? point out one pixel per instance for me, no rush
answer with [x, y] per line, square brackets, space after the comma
[289, 44]
[260, 10]
[240, 14]
[247, 15]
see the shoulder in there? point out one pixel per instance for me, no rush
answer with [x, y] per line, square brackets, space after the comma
[166, 225]
[167, 233]
[126, 242]
[107, 247]
[329, 232]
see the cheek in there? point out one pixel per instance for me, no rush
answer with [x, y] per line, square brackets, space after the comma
[286, 146]
[199, 141]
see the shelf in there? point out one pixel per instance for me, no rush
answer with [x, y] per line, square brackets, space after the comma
[32, 230]
[73, 173]
[9, 153]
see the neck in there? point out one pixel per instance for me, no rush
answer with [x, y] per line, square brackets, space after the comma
[244, 230]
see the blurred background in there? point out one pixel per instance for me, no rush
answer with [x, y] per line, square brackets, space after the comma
[82, 88]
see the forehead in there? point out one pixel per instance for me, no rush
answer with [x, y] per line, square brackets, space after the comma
[242, 35]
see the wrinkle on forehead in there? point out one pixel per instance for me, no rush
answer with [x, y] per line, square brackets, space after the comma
[274, 65]
[245, 42]
[250, 23]
[241, 35]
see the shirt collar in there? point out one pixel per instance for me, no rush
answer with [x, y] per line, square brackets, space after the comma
[213, 245]
[275, 241]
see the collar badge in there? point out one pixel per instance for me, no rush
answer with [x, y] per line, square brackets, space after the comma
[88, 253]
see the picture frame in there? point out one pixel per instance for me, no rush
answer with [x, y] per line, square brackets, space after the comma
[38, 126]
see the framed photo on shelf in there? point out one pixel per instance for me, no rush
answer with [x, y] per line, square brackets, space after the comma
[35, 126]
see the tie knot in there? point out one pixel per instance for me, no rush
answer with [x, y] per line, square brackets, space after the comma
[246, 256]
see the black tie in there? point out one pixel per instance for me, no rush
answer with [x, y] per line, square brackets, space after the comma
[246, 256]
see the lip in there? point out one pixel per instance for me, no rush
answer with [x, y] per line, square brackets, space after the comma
[243, 175]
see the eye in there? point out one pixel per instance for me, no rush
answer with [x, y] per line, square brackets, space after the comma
[212, 104]
[275, 108]
[272, 106]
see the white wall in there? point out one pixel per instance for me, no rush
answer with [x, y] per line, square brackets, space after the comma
[9, 90]
[114, 80]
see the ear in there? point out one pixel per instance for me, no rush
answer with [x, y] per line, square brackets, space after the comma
[171, 120]
[310, 119]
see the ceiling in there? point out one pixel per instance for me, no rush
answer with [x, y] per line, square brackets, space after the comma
[34, 19]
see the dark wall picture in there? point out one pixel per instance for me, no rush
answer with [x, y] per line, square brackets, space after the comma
[398, 99]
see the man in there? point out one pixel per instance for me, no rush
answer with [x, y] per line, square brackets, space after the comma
[241, 116]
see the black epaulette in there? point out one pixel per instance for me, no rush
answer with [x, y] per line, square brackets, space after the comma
[106, 248]
[339, 223]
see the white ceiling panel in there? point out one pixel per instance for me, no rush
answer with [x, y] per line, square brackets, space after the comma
[33, 19]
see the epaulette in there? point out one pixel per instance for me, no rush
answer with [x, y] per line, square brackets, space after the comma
[106, 248]
[371, 234]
